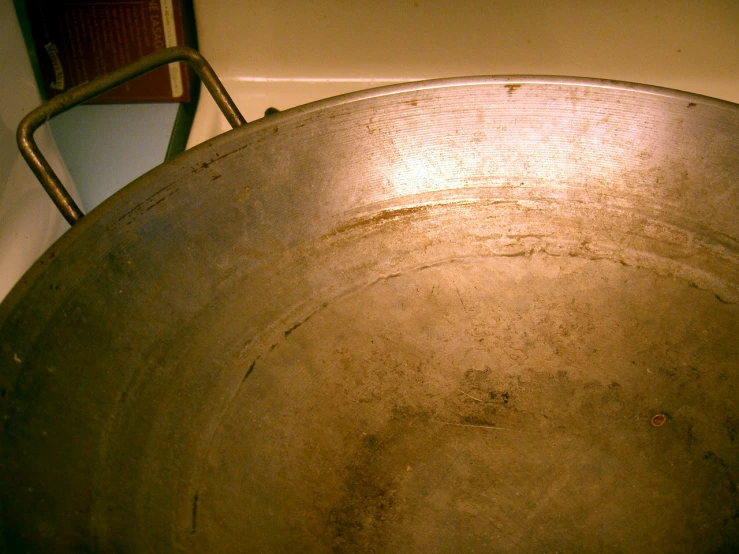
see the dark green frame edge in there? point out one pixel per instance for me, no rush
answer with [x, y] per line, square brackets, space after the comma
[22, 15]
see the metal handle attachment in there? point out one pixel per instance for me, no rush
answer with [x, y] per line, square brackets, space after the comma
[77, 95]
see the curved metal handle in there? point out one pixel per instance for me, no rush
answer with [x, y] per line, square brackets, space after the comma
[77, 95]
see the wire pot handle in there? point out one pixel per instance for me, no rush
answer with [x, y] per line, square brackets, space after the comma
[77, 95]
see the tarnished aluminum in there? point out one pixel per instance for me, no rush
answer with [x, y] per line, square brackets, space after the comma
[485, 314]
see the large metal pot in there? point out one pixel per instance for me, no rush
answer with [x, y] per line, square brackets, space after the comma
[481, 314]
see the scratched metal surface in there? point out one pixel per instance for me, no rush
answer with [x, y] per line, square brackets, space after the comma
[436, 317]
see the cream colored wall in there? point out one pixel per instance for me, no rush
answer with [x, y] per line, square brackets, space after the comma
[29, 221]
[692, 45]
[285, 53]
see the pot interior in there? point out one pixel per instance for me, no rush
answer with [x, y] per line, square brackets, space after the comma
[457, 316]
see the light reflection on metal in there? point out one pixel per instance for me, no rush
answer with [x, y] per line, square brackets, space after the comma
[367, 80]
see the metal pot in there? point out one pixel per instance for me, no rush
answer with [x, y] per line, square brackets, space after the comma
[482, 314]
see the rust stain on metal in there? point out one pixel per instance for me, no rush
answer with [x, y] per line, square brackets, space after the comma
[377, 219]
[194, 514]
[512, 88]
